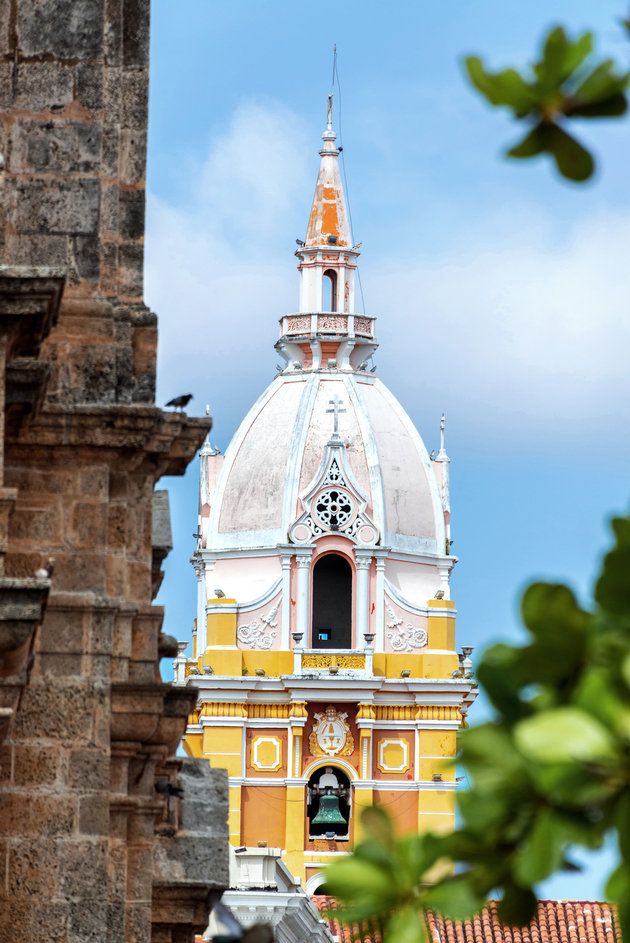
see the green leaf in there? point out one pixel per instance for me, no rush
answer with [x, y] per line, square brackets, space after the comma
[618, 884]
[618, 892]
[454, 898]
[368, 888]
[561, 57]
[550, 610]
[612, 591]
[601, 84]
[414, 855]
[375, 852]
[612, 107]
[564, 735]
[572, 160]
[506, 88]
[573, 785]
[622, 821]
[406, 925]
[534, 143]
[517, 907]
[542, 852]
[377, 824]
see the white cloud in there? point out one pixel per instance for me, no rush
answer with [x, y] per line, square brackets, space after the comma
[529, 335]
[512, 328]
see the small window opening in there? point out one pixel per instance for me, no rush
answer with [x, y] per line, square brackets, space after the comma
[332, 602]
[329, 293]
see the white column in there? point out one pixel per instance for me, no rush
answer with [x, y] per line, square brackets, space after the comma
[363, 561]
[379, 604]
[285, 642]
[202, 601]
[303, 562]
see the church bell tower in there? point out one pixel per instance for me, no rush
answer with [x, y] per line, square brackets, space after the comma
[324, 645]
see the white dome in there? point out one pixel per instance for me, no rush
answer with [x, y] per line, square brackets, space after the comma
[278, 450]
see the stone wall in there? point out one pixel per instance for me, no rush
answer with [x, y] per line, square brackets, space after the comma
[96, 843]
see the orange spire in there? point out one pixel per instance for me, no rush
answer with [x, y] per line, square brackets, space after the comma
[329, 224]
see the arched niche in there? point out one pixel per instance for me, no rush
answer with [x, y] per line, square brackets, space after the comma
[332, 602]
[329, 290]
[329, 791]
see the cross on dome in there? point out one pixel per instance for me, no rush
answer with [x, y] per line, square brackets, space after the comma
[336, 407]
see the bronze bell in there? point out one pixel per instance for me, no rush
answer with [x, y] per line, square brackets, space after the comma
[329, 813]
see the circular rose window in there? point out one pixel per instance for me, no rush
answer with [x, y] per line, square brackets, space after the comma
[334, 508]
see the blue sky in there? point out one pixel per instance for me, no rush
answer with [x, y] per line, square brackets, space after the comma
[501, 291]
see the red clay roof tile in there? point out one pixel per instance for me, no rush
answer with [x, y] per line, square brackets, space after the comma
[557, 921]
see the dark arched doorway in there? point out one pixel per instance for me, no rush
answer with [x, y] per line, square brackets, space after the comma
[332, 602]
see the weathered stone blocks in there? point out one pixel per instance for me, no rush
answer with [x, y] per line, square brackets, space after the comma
[89, 725]
[69, 29]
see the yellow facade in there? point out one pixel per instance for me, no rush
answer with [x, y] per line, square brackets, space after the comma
[399, 751]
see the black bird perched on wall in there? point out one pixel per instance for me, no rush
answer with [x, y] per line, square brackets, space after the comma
[166, 788]
[179, 402]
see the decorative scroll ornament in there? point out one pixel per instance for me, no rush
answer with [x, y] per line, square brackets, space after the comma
[333, 502]
[261, 632]
[331, 735]
[404, 638]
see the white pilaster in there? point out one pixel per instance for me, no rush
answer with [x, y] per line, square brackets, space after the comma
[363, 559]
[303, 561]
[285, 642]
[202, 600]
[379, 603]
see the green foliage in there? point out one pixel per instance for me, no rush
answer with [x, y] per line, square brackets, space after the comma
[563, 84]
[550, 771]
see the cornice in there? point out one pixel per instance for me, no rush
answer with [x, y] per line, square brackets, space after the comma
[137, 433]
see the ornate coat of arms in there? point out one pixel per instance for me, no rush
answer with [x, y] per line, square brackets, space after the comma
[331, 735]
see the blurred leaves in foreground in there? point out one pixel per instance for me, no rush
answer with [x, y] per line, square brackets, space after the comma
[549, 773]
[565, 83]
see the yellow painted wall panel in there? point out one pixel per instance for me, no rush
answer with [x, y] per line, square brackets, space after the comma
[445, 767]
[222, 625]
[363, 799]
[224, 661]
[441, 631]
[433, 822]
[274, 664]
[223, 739]
[438, 666]
[295, 818]
[193, 745]
[442, 801]
[438, 742]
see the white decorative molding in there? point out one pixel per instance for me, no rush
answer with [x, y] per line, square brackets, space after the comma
[333, 502]
[404, 638]
[403, 765]
[261, 632]
[257, 744]
[265, 597]
[331, 734]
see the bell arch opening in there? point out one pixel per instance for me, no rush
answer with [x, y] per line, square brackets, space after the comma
[329, 290]
[332, 603]
[328, 804]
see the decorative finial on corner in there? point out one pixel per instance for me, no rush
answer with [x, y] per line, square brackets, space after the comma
[442, 456]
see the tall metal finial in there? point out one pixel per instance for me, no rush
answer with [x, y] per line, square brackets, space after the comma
[329, 115]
